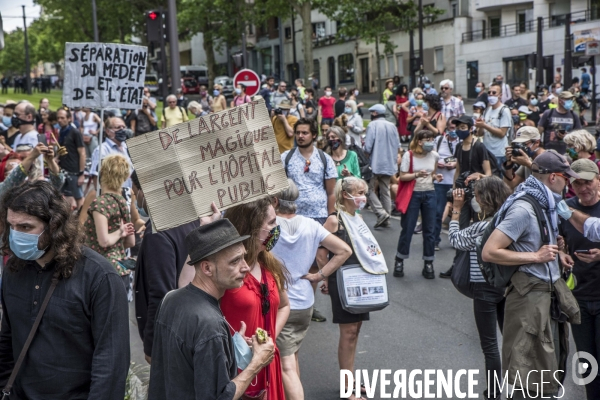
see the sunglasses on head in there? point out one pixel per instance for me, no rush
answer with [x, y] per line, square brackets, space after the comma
[307, 166]
[266, 304]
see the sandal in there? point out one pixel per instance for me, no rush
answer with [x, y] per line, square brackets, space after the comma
[354, 394]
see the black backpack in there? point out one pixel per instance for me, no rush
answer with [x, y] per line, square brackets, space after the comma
[494, 165]
[363, 161]
[499, 275]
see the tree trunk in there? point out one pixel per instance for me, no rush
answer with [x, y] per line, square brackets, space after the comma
[304, 10]
[210, 57]
[378, 75]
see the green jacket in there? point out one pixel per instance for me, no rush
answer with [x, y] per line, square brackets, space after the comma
[529, 333]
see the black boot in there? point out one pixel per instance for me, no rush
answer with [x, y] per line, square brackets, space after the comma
[447, 274]
[428, 271]
[399, 268]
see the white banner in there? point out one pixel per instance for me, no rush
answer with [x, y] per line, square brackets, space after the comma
[101, 75]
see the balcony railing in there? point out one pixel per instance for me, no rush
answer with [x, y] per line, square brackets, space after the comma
[528, 26]
[330, 39]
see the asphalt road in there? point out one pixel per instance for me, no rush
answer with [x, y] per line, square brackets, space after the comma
[428, 325]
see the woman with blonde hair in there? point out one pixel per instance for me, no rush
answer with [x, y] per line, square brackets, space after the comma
[419, 165]
[346, 223]
[262, 301]
[580, 145]
[108, 228]
[219, 102]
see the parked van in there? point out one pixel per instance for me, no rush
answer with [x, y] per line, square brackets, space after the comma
[196, 71]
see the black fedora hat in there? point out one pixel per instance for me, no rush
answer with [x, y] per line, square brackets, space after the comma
[209, 239]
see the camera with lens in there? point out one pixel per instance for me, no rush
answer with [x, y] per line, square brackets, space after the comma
[278, 111]
[516, 147]
[460, 184]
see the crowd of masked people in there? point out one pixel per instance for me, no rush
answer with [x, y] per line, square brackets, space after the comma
[223, 303]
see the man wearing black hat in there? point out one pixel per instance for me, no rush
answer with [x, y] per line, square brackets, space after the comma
[193, 353]
[535, 341]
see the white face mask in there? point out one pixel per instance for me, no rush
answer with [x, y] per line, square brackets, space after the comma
[475, 205]
[476, 115]
[492, 100]
[328, 93]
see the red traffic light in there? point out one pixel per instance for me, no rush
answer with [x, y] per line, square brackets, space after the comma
[152, 15]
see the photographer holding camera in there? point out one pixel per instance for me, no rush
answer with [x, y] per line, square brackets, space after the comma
[283, 125]
[520, 155]
[472, 163]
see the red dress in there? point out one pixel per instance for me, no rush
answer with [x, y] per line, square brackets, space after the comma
[245, 304]
[402, 116]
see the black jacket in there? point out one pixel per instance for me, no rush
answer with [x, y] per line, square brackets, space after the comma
[159, 263]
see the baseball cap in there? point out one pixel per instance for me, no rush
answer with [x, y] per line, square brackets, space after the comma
[585, 168]
[549, 162]
[378, 108]
[565, 95]
[526, 133]
[463, 119]
[524, 110]
[479, 104]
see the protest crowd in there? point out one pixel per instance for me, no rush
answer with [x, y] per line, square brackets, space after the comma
[224, 302]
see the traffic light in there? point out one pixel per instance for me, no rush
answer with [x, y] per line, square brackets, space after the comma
[153, 25]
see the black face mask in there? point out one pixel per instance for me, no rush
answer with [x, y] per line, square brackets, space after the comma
[462, 134]
[121, 135]
[16, 122]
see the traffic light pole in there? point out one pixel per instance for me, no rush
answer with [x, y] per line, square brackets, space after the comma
[174, 46]
[27, 64]
[163, 61]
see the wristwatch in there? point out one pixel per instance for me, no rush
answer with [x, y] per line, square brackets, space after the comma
[321, 273]
[80, 173]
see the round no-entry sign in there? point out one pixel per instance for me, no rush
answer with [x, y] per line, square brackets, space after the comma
[248, 78]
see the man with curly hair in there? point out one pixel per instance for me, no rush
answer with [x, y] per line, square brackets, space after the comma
[81, 347]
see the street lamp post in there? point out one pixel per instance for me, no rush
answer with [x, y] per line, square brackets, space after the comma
[568, 67]
[95, 21]
[27, 64]
[173, 45]
[539, 62]
[421, 55]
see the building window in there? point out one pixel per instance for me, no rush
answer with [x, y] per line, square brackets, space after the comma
[317, 72]
[391, 68]
[400, 64]
[267, 59]
[454, 8]
[439, 59]
[346, 68]
[382, 68]
[516, 70]
[494, 26]
[318, 30]
[525, 21]
[250, 29]
[288, 33]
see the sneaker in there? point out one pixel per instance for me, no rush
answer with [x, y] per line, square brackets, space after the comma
[447, 274]
[399, 268]
[381, 220]
[437, 247]
[386, 224]
[317, 316]
[396, 213]
[419, 229]
[428, 271]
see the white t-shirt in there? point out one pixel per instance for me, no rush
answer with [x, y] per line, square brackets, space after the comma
[446, 149]
[296, 249]
[493, 143]
[427, 163]
[30, 137]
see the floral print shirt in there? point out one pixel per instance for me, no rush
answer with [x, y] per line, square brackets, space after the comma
[114, 208]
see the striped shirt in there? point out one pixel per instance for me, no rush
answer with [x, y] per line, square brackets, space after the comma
[465, 240]
[454, 108]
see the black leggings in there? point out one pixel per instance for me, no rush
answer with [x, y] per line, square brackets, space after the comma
[488, 307]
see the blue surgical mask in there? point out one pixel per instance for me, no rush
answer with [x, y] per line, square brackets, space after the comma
[6, 121]
[243, 352]
[56, 126]
[568, 104]
[477, 89]
[348, 110]
[25, 245]
[558, 90]
[425, 107]
[534, 102]
[452, 134]
[141, 210]
[238, 91]
[216, 93]
[428, 147]
[427, 85]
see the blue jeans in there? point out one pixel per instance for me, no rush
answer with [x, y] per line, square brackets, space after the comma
[440, 198]
[501, 161]
[587, 338]
[424, 202]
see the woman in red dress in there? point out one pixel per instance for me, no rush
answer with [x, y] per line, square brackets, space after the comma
[401, 98]
[262, 301]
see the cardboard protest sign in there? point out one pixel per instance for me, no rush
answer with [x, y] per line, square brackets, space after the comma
[229, 158]
[104, 75]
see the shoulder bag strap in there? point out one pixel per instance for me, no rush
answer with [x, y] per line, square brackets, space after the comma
[268, 327]
[36, 323]
[288, 158]
[324, 161]
[410, 167]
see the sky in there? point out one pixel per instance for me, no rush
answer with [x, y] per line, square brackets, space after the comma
[12, 8]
